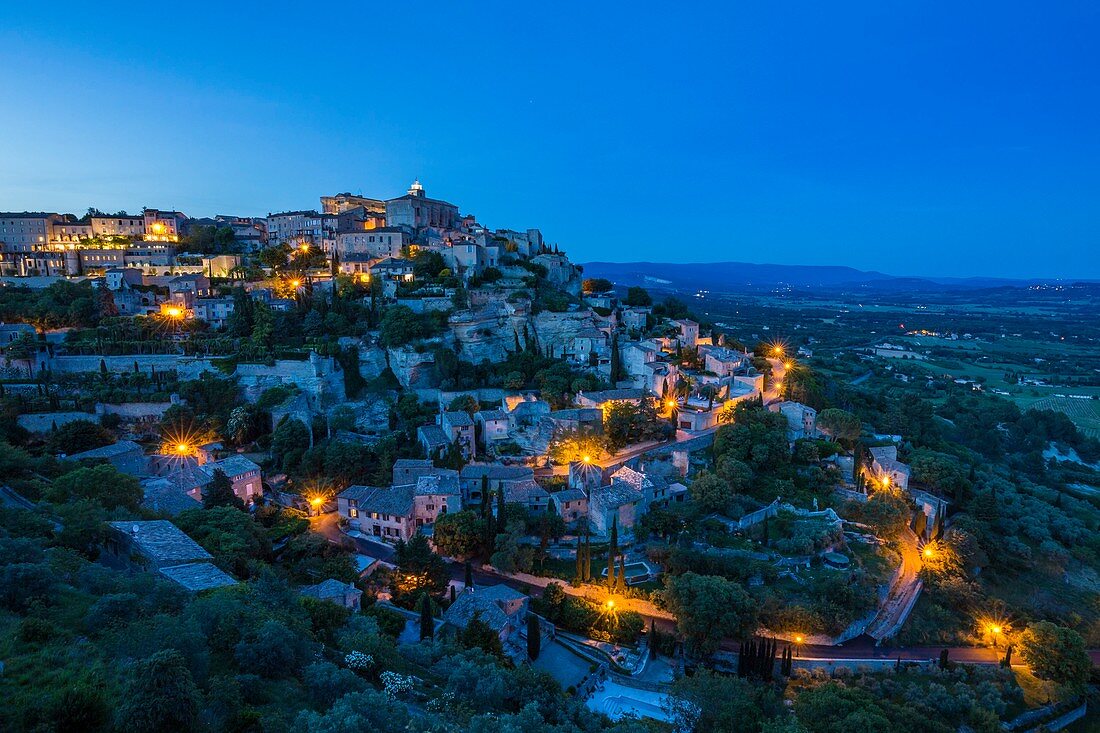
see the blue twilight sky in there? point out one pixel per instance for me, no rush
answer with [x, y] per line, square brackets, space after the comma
[939, 138]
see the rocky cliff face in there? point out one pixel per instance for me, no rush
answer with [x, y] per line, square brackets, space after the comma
[413, 369]
[488, 332]
[555, 331]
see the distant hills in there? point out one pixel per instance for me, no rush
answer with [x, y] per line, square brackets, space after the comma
[724, 276]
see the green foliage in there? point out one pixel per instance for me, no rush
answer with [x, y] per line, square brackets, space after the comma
[103, 484]
[160, 696]
[220, 492]
[1056, 653]
[400, 326]
[237, 543]
[78, 436]
[637, 296]
[756, 437]
[708, 609]
[458, 534]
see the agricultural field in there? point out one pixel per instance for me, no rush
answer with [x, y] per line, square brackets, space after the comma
[1085, 414]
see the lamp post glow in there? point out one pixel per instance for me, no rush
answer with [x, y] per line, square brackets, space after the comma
[183, 448]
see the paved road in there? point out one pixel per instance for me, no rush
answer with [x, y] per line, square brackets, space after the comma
[903, 593]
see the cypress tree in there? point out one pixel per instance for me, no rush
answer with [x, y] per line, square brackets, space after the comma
[582, 559]
[652, 639]
[469, 579]
[587, 555]
[452, 594]
[612, 551]
[741, 652]
[534, 637]
[427, 625]
[622, 572]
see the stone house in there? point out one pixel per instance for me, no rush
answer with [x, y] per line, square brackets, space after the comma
[618, 502]
[492, 425]
[801, 419]
[384, 513]
[334, 591]
[433, 440]
[126, 456]
[158, 546]
[887, 468]
[458, 426]
[571, 504]
[528, 493]
[689, 333]
[501, 608]
[474, 477]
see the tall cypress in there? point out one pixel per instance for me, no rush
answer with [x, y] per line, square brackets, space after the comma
[622, 572]
[469, 578]
[534, 637]
[427, 624]
[612, 551]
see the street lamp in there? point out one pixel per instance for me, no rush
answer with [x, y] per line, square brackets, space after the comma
[183, 448]
[797, 643]
[928, 552]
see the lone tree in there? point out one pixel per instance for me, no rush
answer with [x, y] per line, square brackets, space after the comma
[534, 637]
[1055, 653]
[427, 623]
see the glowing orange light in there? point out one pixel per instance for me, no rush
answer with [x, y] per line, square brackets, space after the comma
[610, 603]
[304, 247]
[798, 639]
[928, 552]
[587, 459]
[316, 501]
[671, 404]
[295, 283]
[995, 629]
[175, 312]
[183, 448]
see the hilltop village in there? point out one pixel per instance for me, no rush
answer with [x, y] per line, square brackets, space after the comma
[381, 465]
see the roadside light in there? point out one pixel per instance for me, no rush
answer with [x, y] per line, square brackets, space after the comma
[587, 459]
[928, 552]
[798, 639]
[304, 247]
[995, 629]
[175, 312]
[183, 448]
[315, 501]
[295, 283]
[610, 603]
[671, 404]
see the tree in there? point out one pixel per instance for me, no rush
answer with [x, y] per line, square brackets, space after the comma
[427, 623]
[419, 570]
[575, 445]
[708, 609]
[1055, 653]
[289, 443]
[597, 285]
[707, 701]
[78, 436]
[838, 424]
[103, 483]
[458, 534]
[711, 492]
[468, 577]
[612, 551]
[220, 492]
[159, 696]
[637, 296]
[478, 635]
[534, 637]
